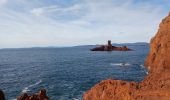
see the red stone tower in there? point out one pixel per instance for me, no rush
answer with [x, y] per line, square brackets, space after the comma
[109, 46]
[109, 42]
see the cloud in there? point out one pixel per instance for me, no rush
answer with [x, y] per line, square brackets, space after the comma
[2, 2]
[55, 9]
[37, 11]
[85, 22]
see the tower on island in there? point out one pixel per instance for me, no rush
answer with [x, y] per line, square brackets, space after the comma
[109, 42]
[109, 46]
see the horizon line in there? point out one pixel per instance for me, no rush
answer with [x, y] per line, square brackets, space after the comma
[66, 46]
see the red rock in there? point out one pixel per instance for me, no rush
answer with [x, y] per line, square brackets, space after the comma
[155, 86]
[109, 47]
[40, 96]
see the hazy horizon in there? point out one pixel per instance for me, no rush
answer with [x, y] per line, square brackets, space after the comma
[55, 46]
[43, 23]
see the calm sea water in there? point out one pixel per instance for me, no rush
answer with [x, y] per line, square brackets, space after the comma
[66, 73]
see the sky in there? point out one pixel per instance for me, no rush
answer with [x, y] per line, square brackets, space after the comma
[41, 23]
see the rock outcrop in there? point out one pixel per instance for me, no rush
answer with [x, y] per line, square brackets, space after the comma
[109, 47]
[39, 96]
[155, 86]
[2, 95]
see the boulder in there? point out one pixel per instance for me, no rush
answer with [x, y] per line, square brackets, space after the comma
[38, 96]
[2, 95]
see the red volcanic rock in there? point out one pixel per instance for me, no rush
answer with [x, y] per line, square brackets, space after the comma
[39, 96]
[155, 86]
[109, 47]
[158, 58]
[111, 90]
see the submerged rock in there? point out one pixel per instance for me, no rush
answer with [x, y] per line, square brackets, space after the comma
[2, 95]
[155, 86]
[109, 47]
[39, 96]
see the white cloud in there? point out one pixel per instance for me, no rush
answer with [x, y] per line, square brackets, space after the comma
[98, 22]
[37, 11]
[55, 9]
[2, 2]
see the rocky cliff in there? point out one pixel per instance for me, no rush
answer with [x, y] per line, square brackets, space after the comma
[155, 86]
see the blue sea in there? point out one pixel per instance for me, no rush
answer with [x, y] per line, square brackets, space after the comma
[67, 72]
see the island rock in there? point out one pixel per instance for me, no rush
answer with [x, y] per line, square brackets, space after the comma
[109, 47]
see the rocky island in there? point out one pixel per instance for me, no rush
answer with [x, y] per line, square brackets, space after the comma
[109, 47]
[155, 86]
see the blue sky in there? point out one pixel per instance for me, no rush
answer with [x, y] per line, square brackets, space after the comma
[40, 23]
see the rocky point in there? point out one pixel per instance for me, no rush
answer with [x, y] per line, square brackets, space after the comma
[37, 96]
[155, 86]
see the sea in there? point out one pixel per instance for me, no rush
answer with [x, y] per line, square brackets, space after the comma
[67, 72]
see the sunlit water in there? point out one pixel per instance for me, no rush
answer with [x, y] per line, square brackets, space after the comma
[66, 73]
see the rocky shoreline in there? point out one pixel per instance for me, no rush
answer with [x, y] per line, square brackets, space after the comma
[37, 96]
[41, 95]
[155, 86]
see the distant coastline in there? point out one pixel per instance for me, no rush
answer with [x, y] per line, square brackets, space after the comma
[116, 44]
